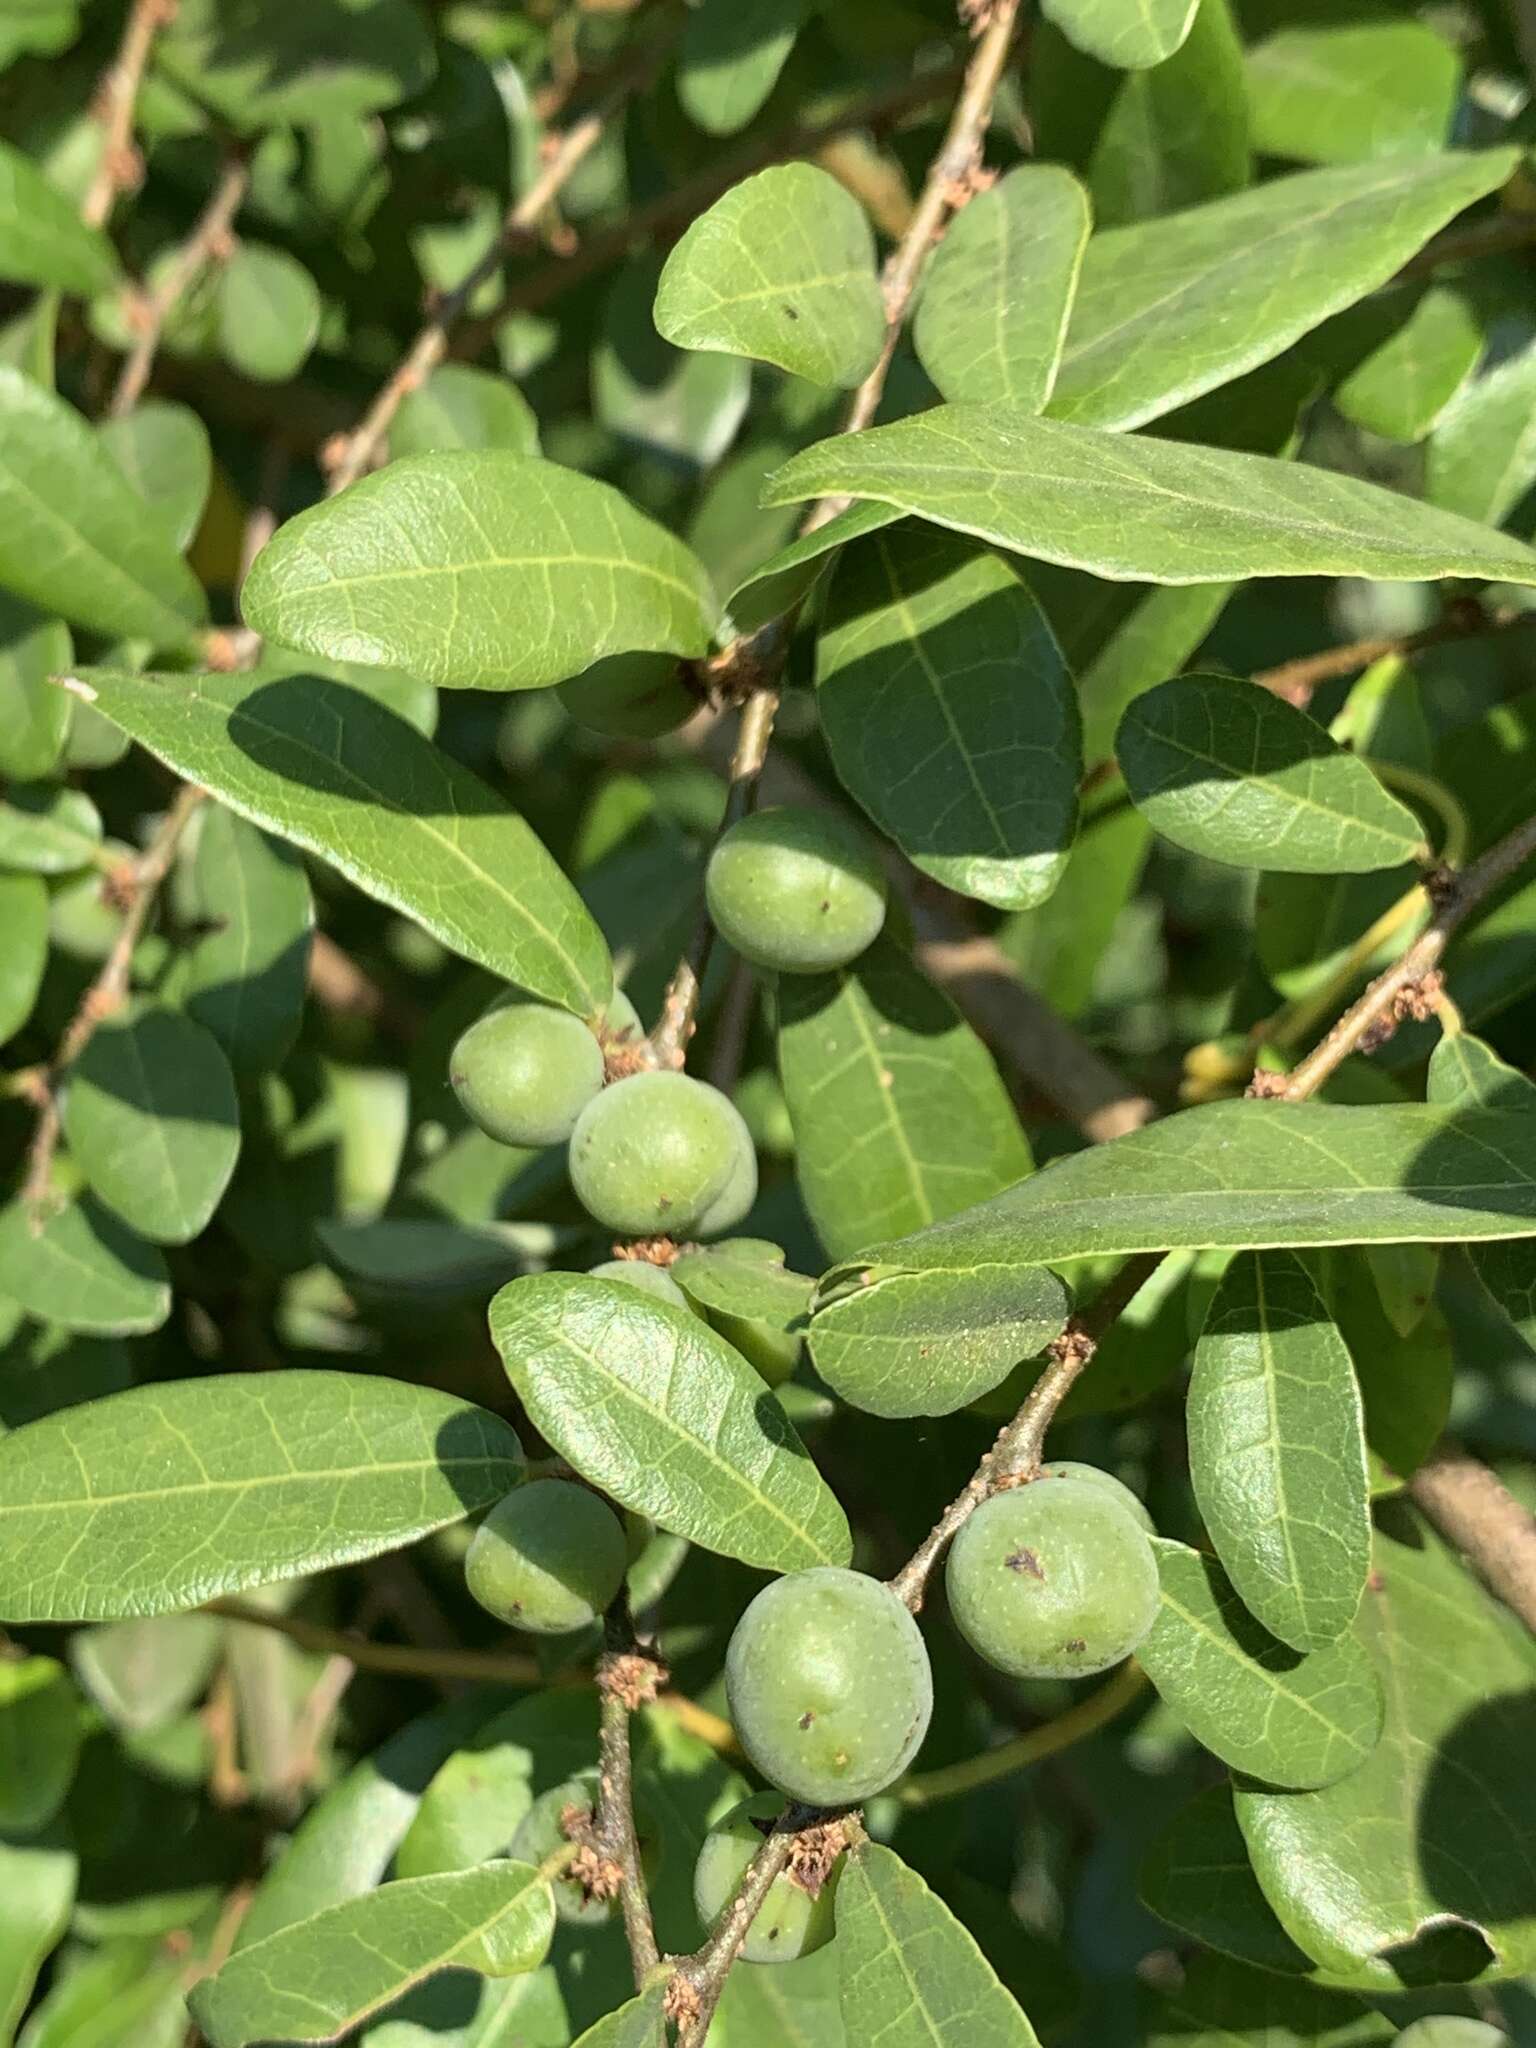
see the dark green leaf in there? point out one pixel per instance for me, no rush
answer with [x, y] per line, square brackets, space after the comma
[73, 536]
[1401, 388]
[898, 1112]
[246, 973]
[479, 568]
[1198, 1878]
[1416, 1868]
[269, 312]
[1130, 508]
[993, 314]
[781, 269]
[1343, 91]
[1294, 1173]
[23, 948]
[1130, 38]
[949, 713]
[462, 407]
[1222, 2005]
[163, 451]
[778, 584]
[909, 1974]
[654, 1408]
[152, 1120]
[42, 237]
[33, 714]
[1232, 771]
[1277, 1450]
[323, 766]
[927, 1343]
[637, 2024]
[1405, 1380]
[664, 402]
[48, 829]
[40, 1729]
[1168, 309]
[324, 61]
[150, 1501]
[79, 1267]
[731, 56]
[318, 1979]
[1263, 1708]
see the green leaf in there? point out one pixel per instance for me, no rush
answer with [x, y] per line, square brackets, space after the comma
[48, 829]
[1130, 38]
[1481, 458]
[82, 1269]
[154, 1499]
[898, 1112]
[1131, 508]
[23, 948]
[993, 313]
[37, 1893]
[741, 1289]
[731, 57]
[1414, 1870]
[1175, 134]
[318, 1979]
[901, 1344]
[142, 1674]
[246, 974]
[34, 716]
[480, 569]
[269, 312]
[42, 237]
[651, 1406]
[1402, 387]
[795, 569]
[1232, 771]
[1277, 1450]
[1168, 309]
[1406, 1381]
[1197, 1877]
[636, 2024]
[323, 766]
[662, 402]
[1220, 2004]
[163, 451]
[1266, 1710]
[781, 269]
[480, 1794]
[326, 61]
[462, 407]
[40, 1732]
[1294, 1173]
[152, 1120]
[909, 1974]
[73, 536]
[1341, 92]
[949, 712]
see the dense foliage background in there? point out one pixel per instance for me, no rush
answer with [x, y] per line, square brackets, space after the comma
[1093, 449]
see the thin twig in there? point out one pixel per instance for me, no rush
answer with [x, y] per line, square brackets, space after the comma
[1472, 1506]
[626, 1678]
[1456, 899]
[406, 1660]
[211, 241]
[354, 453]
[1085, 1717]
[120, 168]
[108, 992]
[697, 1985]
[1297, 680]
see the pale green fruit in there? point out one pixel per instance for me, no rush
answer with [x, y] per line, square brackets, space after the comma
[653, 1155]
[796, 890]
[641, 1274]
[790, 1922]
[525, 1071]
[547, 1558]
[1095, 1475]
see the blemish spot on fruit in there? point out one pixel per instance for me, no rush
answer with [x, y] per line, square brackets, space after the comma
[806, 1719]
[1075, 1644]
[1026, 1561]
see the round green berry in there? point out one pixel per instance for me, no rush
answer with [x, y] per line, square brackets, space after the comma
[548, 1558]
[630, 696]
[1095, 1475]
[640, 1273]
[1052, 1580]
[735, 1199]
[829, 1685]
[525, 1071]
[799, 891]
[654, 1154]
[796, 1918]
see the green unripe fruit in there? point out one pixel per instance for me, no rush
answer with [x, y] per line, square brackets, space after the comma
[1095, 1475]
[542, 1831]
[735, 1199]
[525, 1071]
[1451, 2030]
[649, 1279]
[1052, 1580]
[792, 1921]
[799, 891]
[829, 1685]
[630, 696]
[547, 1558]
[655, 1154]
